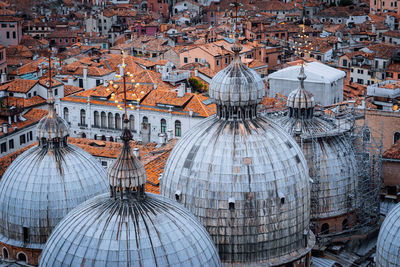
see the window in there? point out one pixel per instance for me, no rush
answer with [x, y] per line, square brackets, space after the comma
[5, 253]
[145, 120]
[376, 64]
[131, 122]
[226, 60]
[66, 115]
[26, 234]
[163, 126]
[178, 129]
[11, 144]
[96, 119]
[217, 62]
[117, 121]
[196, 60]
[325, 228]
[3, 147]
[22, 257]
[185, 60]
[29, 95]
[34, 93]
[81, 83]
[110, 120]
[22, 139]
[3, 25]
[345, 225]
[55, 91]
[14, 35]
[83, 117]
[104, 164]
[344, 62]
[30, 135]
[8, 35]
[103, 120]
[351, 70]
[396, 137]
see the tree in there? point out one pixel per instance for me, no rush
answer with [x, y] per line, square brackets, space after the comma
[197, 85]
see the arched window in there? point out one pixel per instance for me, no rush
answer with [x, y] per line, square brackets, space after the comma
[178, 131]
[367, 136]
[103, 120]
[96, 119]
[131, 122]
[117, 121]
[163, 126]
[110, 120]
[66, 115]
[396, 137]
[22, 257]
[5, 253]
[83, 117]
[325, 228]
[145, 120]
[345, 224]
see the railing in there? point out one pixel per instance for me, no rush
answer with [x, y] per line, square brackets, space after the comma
[175, 77]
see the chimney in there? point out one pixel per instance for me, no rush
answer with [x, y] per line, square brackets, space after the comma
[5, 128]
[161, 139]
[196, 73]
[85, 73]
[181, 90]
[136, 152]
[373, 27]
[169, 135]
[70, 80]
[40, 74]
[3, 77]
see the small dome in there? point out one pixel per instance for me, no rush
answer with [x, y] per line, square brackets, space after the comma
[52, 126]
[237, 85]
[153, 231]
[300, 98]
[40, 187]
[388, 245]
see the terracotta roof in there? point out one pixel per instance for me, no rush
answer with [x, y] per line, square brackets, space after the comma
[18, 86]
[392, 152]
[25, 102]
[69, 90]
[32, 116]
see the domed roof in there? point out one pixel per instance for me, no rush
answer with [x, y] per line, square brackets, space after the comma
[300, 98]
[247, 181]
[44, 183]
[129, 232]
[388, 245]
[237, 85]
[41, 186]
[129, 227]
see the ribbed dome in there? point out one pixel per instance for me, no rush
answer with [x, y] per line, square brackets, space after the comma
[247, 181]
[129, 232]
[388, 245]
[41, 186]
[337, 164]
[237, 85]
[52, 126]
[300, 98]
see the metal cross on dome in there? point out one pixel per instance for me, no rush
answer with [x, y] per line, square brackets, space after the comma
[119, 87]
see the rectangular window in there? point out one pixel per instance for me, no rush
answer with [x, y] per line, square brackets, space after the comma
[185, 60]
[344, 62]
[3, 25]
[226, 60]
[55, 91]
[81, 83]
[97, 82]
[196, 60]
[11, 144]
[217, 62]
[22, 139]
[26, 234]
[30, 135]
[14, 35]
[3, 147]
[8, 35]
[376, 64]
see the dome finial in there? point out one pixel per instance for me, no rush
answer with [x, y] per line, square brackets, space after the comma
[127, 176]
[52, 129]
[237, 47]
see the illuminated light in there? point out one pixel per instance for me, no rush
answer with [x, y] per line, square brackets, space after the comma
[131, 75]
[115, 86]
[112, 94]
[111, 82]
[142, 92]
[107, 89]
[132, 108]
[130, 105]
[116, 101]
[128, 73]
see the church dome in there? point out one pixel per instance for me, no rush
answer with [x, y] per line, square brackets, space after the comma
[243, 177]
[44, 183]
[388, 245]
[129, 227]
[331, 161]
[237, 85]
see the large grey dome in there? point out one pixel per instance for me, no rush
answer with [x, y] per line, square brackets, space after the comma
[40, 187]
[388, 245]
[247, 181]
[126, 232]
[129, 227]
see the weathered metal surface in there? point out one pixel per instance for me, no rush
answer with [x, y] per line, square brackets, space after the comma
[337, 164]
[44, 183]
[153, 231]
[237, 85]
[388, 245]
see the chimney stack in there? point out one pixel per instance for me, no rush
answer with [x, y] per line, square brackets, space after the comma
[5, 128]
[3, 77]
[181, 90]
[70, 80]
[161, 139]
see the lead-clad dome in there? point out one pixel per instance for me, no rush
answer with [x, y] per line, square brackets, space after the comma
[388, 245]
[237, 85]
[300, 98]
[243, 177]
[129, 227]
[44, 183]
[129, 232]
